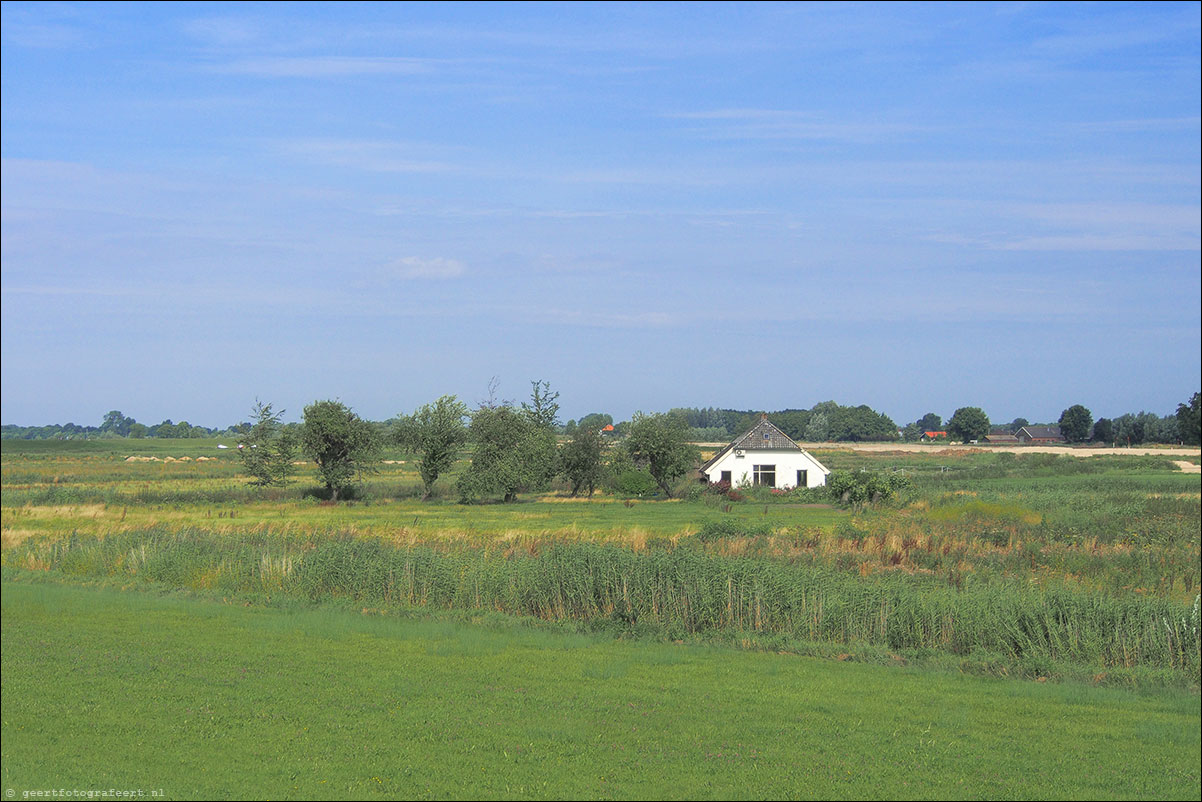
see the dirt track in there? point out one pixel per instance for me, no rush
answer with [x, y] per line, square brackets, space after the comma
[951, 448]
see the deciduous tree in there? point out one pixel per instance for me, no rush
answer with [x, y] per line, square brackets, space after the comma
[435, 432]
[860, 423]
[268, 448]
[595, 420]
[343, 445]
[968, 423]
[543, 415]
[1076, 422]
[543, 408]
[1189, 420]
[1133, 429]
[509, 454]
[818, 429]
[659, 443]
[582, 460]
[116, 423]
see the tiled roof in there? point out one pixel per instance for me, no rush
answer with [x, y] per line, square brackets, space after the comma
[1042, 432]
[760, 437]
[764, 435]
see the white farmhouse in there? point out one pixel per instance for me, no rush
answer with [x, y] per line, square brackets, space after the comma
[765, 456]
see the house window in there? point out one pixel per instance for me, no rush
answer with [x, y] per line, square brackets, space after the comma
[802, 476]
[764, 475]
[725, 477]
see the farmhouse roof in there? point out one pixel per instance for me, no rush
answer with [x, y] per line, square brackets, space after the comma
[761, 437]
[933, 435]
[1042, 432]
[1001, 437]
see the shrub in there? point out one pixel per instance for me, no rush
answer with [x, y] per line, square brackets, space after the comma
[860, 487]
[722, 528]
[635, 483]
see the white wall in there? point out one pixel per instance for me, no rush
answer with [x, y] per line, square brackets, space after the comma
[787, 461]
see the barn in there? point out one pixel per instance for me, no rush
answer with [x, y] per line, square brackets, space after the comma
[765, 456]
[1039, 434]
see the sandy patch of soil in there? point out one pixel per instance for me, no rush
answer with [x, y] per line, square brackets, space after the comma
[969, 448]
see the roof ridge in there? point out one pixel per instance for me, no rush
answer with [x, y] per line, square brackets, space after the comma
[742, 440]
[777, 441]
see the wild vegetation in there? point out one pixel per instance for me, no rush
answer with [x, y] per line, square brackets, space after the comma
[925, 570]
[1034, 565]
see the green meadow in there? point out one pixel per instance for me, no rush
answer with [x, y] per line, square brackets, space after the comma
[1013, 626]
[195, 698]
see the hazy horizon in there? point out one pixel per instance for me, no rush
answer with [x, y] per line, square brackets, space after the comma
[295, 416]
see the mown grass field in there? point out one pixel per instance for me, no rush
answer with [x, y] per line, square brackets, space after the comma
[999, 584]
[201, 699]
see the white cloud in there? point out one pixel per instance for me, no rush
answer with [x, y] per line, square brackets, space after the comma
[327, 66]
[223, 31]
[1141, 124]
[1106, 216]
[44, 36]
[594, 318]
[743, 123]
[1089, 242]
[1083, 226]
[376, 157]
[415, 267]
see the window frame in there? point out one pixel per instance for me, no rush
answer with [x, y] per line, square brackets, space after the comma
[761, 472]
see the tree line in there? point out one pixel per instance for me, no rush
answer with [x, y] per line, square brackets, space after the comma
[116, 424]
[517, 448]
[827, 421]
[1076, 424]
[514, 448]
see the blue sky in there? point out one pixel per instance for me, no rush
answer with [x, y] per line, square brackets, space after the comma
[752, 206]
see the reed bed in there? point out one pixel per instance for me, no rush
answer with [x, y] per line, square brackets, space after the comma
[674, 590]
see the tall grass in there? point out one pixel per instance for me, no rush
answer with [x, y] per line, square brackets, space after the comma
[675, 591]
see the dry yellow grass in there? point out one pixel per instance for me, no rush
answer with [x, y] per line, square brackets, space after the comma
[15, 537]
[65, 511]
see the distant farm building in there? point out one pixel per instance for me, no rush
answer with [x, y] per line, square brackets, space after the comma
[765, 456]
[1001, 437]
[929, 436]
[1039, 434]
